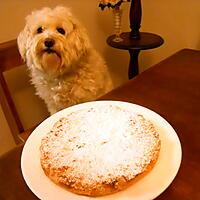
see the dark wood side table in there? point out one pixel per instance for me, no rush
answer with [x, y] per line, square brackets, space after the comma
[134, 41]
[146, 41]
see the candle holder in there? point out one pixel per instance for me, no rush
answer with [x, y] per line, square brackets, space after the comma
[115, 5]
[117, 14]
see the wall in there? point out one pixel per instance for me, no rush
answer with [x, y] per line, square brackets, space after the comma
[177, 21]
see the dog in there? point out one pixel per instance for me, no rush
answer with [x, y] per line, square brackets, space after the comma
[64, 67]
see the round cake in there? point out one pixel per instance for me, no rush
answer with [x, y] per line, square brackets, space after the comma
[99, 150]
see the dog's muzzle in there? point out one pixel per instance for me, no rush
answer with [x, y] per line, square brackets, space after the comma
[49, 56]
[49, 43]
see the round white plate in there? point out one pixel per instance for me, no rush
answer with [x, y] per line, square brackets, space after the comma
[146, 188]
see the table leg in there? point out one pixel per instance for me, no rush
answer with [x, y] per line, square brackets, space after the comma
[133, 65]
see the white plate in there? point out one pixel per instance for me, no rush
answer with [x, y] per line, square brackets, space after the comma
[148, 187]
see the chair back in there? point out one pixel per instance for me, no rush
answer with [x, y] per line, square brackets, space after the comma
[9, 59]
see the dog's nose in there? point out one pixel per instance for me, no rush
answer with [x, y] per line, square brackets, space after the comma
[49, 42]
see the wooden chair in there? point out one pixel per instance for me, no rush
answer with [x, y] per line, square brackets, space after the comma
[9, 59]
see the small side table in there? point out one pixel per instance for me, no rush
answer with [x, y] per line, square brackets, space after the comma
[144, 42]
[134, 41]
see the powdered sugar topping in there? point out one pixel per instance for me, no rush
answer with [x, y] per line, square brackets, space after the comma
[100, 144]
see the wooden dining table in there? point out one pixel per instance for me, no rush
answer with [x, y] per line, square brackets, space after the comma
[171, 88]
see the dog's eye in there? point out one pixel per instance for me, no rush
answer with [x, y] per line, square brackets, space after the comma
[40, 30]
[61, 31]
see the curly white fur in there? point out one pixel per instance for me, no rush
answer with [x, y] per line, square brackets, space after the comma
[68, 72]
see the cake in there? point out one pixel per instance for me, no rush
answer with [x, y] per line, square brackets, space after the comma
[99, 150]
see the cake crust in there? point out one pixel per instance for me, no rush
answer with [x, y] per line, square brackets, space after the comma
[98, 151]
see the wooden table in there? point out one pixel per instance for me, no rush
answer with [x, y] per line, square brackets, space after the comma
[170, 88]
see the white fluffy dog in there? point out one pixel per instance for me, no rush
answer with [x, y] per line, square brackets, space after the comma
[64, 67]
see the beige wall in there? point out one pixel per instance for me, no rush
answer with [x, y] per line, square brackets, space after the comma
[177, 21]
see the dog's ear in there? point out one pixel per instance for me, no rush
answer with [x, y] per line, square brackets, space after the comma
[80, 35]
[22, 40]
